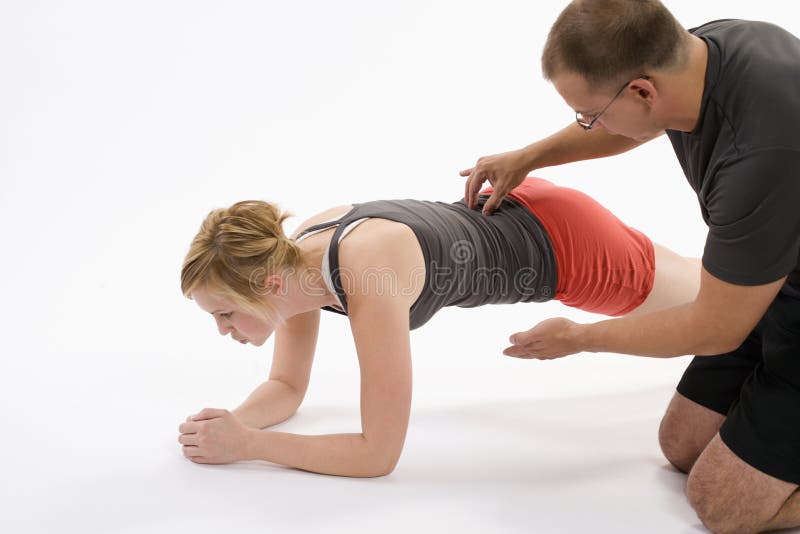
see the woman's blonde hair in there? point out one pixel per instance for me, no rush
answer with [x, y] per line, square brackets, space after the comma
[235, 250]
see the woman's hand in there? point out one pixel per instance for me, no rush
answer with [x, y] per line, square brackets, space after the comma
[214, 436]
[504, 171]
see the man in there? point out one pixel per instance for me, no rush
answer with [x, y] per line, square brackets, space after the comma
[727, 94]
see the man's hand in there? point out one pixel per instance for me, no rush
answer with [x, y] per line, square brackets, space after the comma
[504, 171]
[547, 340]
[214, 436]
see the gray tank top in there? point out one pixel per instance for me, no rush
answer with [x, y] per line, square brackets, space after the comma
[470, 259]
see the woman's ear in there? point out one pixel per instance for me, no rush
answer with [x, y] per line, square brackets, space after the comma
[273, 284]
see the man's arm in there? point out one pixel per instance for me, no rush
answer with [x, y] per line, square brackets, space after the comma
[718, 321]
[573, 143]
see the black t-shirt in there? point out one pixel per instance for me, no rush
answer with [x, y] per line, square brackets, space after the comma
[743, 157]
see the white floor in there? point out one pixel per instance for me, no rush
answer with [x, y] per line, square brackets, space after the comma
[101, 459]
[495, 444]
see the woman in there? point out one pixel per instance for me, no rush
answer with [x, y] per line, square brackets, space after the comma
[389, 266]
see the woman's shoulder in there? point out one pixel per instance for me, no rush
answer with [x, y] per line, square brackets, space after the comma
[321, 217]
[381, 250]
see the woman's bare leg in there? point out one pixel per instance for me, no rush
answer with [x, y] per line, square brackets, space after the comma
[677, 281]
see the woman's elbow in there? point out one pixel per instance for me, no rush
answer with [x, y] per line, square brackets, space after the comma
[383, 452]
[384, 466]
[383, 463]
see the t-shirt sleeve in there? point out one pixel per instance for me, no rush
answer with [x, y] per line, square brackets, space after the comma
[753, 206]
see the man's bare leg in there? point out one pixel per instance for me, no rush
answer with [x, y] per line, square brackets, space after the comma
[731, 496]
[685, 431]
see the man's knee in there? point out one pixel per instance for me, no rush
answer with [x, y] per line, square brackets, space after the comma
[718, 516]
[710, 513]
[730, 495]
[685, 430]
[677, 444]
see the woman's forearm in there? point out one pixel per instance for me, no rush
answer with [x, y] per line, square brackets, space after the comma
[269, 404]
[349, 455]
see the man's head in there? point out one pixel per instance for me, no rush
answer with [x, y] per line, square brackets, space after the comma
[597, 49]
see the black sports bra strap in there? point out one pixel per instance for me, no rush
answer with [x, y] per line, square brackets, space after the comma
[326, 224]
[333, 265]
[315, 227]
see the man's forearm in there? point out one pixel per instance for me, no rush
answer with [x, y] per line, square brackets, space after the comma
[573, 143]
[269, 404]
[347, 455]
[672, 332]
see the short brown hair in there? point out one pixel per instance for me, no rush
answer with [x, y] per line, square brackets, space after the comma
[610, 41]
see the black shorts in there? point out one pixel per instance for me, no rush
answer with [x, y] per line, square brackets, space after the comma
[757, 387]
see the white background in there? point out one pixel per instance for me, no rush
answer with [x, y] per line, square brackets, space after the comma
[123, 123]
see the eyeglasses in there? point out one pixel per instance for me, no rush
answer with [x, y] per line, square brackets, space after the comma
[587, 121]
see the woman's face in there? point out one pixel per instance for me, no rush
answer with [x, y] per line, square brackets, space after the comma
[233, 320]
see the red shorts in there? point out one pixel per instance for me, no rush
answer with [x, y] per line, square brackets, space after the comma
[604, 266]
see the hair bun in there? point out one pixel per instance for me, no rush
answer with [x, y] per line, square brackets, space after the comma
[235, 244]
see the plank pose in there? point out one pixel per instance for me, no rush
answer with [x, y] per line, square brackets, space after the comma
[390, 265]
